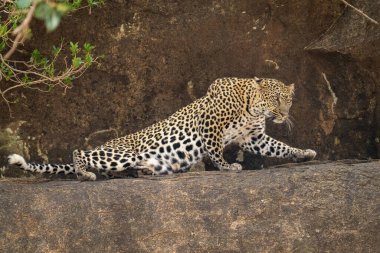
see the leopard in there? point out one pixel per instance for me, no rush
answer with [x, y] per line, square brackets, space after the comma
[233, 110]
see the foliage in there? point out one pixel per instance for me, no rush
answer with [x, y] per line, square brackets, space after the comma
[43, 72]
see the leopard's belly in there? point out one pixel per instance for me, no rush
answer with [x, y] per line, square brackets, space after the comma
[166, 157]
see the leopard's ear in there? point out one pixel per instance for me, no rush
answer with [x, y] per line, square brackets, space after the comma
[291, 88]
[257, 82]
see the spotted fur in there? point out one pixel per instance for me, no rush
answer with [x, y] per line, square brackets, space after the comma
[233, 110]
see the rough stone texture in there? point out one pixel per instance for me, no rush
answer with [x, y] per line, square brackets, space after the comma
[332, 207]
[161, 55]
[352, 34]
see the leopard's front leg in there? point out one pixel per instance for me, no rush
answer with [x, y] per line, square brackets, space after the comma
[265, 145]
[212, 140]
[211, 127]
[215, 152]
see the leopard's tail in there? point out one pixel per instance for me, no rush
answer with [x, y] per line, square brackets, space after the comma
[20, 162]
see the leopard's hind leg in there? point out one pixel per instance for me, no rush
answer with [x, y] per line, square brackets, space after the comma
[105, 160]
[80, 166]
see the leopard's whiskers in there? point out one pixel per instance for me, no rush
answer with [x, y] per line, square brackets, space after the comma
[289, 123]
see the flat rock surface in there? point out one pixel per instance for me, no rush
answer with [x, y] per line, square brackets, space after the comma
[330, 207]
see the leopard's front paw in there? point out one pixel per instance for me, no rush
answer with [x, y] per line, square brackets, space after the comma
[305, 155]
[310, 154]
[235, 167]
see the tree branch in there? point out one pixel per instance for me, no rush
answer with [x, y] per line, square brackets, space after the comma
[21, 31]
[360, 12]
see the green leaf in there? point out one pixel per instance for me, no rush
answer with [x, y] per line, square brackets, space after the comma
[56, 51]
[92, 3]
[2, 45]
[52, 21]
[76, 4]
[15, 24]
[23, 4]
[68, 81]
[36, 56]
[3, 30]
[63, 8]
[49, 70]
[88, 47]
[88, 59]
[43, 11]
[6, 72]
[44, 62]
[74, 48]
[25, 78]
[77, 61]
[38, 59]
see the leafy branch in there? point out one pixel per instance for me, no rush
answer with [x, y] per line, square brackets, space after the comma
[58, 68]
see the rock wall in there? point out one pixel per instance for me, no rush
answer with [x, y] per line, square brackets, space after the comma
[160, 56]
[310, 208]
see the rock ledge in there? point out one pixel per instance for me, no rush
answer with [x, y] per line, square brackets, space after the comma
[331, 207]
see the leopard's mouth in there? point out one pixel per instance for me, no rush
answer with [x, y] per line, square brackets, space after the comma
[279, 120]
[276, 117]
[269, 114]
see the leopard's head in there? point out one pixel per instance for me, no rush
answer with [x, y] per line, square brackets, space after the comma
[276, 99]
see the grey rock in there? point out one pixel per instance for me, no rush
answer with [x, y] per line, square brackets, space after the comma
[330, 207]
